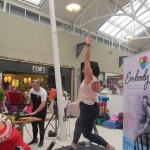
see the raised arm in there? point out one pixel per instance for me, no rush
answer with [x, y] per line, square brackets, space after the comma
[87, 68]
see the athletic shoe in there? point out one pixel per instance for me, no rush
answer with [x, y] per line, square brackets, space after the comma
[112, 148]
[40, 144]
[72, 148]
[33, 142]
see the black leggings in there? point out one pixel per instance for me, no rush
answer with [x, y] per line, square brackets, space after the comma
[41, 127]
[84, 124]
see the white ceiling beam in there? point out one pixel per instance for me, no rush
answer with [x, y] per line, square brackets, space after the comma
[116, 6]
[105, 16]
[90, 14]
[142, 3]
[107, 6]
[84, 11]
[97, 8]
[129, 23]
[82, 18]
[132, 8]
[126, 12]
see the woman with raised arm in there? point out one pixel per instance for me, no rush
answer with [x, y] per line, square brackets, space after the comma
[87, 98]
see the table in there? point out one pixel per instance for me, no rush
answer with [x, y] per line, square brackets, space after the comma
[22, 121]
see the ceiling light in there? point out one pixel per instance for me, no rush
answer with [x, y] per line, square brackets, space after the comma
[73, 7]
[129, 37]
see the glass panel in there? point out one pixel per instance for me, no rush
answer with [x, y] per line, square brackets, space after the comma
[100, 39]
[115, 31]
[130, 51]
[146, 19]
[106, 42]
[59, 25]
[93, 37]
[32, 16]
[121, 47]
[67, 28]
[110, 42]
[84, 34]
[17, 11]
[105, 25]
[77, 32]
[7, 7]
[45, 21]
[144, 16]
[141, 11]
[126, 49]
[109, 29]
[36, 2]
[1, 4]
[147, 24]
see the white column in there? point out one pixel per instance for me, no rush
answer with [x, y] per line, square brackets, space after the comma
[57, 71]
[4, 8]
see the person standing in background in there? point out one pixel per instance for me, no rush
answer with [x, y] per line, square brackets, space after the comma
[52, 97]
[38, 97]
[14, 89]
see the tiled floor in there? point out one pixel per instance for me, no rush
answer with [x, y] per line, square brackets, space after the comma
[114, 137]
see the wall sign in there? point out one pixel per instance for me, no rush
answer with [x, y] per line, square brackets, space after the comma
[79, 48]
[38, 69]
[121, 60]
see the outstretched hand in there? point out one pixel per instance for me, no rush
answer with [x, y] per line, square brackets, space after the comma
[89, 39]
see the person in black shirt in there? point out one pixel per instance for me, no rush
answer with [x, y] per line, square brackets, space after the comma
[38, 96]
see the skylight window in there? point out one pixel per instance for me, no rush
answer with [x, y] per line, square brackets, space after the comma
[118, 27]
[35, 2]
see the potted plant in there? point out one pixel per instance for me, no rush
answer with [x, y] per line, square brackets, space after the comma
[2, 95]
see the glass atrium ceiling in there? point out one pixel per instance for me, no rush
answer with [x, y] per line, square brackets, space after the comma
[35, 2]
[118, 27]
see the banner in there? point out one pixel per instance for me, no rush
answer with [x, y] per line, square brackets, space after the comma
[136, 99]
[79, 47]
[121, 60]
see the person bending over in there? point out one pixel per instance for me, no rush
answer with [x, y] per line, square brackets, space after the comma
[38, 97]
[87, 98]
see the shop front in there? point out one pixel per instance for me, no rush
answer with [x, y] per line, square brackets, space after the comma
[20, 74]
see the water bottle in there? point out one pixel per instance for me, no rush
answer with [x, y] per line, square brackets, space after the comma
[87, 142]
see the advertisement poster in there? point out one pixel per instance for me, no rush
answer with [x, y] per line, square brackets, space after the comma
[115, 83]
[136, 99]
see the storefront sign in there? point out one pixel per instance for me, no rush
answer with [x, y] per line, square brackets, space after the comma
[136, 99]
[38, 69]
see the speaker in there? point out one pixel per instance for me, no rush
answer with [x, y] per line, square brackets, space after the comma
[51, 81]
[82, 66]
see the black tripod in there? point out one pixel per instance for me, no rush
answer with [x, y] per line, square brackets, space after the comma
[55, 113]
